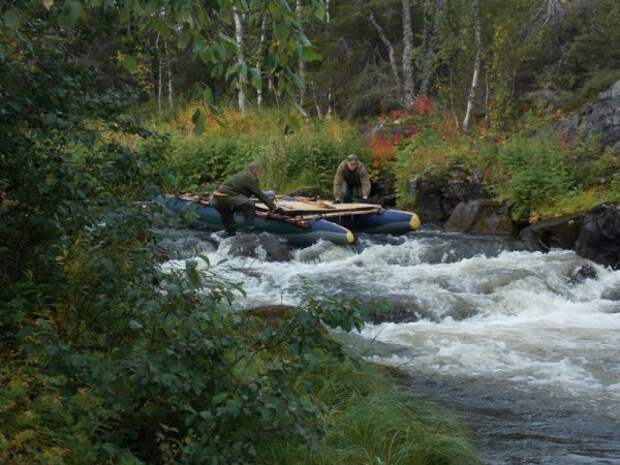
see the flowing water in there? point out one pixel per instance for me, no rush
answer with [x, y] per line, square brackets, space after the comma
[526, 353]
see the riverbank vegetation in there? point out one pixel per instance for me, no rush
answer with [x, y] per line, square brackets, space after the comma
[107, 358]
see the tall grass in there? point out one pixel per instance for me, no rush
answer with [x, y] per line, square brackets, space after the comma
[295, 152]
[371, 419]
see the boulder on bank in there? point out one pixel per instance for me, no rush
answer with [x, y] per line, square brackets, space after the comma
[482, 216]
[460, 185]
[436, 198]
[383, 190]
[559, 233]
[600, 117]
[428, 199]
[594, 235]
[599, 237]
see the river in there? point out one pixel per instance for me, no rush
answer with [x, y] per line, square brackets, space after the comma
[526, 354]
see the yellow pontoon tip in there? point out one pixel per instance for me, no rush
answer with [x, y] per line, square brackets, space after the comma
[414, 222]
[350, 237]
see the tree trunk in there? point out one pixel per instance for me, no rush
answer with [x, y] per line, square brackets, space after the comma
[169, 72]
[431, 45]
[390, 49]
[487, 100]
[241, 80]
[452, 110]
[317, 106]
[302, 64]
[328, 18]
[260, 59]
[408, 83]
[471, 99]
[160, 68]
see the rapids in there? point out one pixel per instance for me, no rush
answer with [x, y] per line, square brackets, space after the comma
[529, 355]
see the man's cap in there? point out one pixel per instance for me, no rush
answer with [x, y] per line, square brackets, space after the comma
[353, 157]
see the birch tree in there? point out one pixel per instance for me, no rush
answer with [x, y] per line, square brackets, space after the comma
[159, 74]
[390, 49]
[302, 64]
[260, 59]
[242, 79]
[408, 80]
[169, 75]
[475, 80]
[431, 39]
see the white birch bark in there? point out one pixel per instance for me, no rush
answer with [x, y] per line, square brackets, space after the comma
[159, 75]
[169, 73]
[408, 82]
[390, 49]
[328, 18]
[242, 79]
[302, 64]
[260, 59]
[475, 80]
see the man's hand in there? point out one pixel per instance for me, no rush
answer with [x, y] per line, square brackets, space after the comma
[365, 198]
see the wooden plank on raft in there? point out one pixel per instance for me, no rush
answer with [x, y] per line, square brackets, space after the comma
[300, 210]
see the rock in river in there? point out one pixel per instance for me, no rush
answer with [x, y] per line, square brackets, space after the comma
[599, 237]
[483, 216]
[594, 235]
[263, 246]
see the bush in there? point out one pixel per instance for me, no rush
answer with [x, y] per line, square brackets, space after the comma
[304, 155]
[537, 171]
[433, 154]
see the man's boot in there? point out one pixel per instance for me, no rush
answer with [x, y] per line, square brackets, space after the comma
[248, 220]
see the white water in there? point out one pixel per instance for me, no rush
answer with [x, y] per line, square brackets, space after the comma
[526, 322]
[497, 328]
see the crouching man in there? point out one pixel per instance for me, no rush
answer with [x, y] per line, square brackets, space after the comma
[234, 196]
[352, 181]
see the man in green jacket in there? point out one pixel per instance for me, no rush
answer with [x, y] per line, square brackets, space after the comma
[234, 196]
[351, 181]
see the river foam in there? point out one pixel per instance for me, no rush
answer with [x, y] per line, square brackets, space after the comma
[488, 311]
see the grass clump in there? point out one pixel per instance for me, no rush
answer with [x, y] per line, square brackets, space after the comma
[295, 153]
[371, 419]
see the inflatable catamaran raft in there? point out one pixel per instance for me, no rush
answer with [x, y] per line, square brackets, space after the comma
[305, 220]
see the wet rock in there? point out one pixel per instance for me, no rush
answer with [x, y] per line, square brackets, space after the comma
[582, 273]
[554, 233]
[611, 294]
[393, 309]
[600, 117]
[461, 185]
[543, 99]
[271, 313]
[599, 236]
[428, 199]
[261, 246]
[483, 216]
[436, 198]
[594, 235]
[383, 190]
[182, 243]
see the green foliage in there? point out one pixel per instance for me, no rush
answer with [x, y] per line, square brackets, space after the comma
[304, 155]
[196, 161]
[106, 357]
[434, 155]
[537, 170]
[599, 81]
